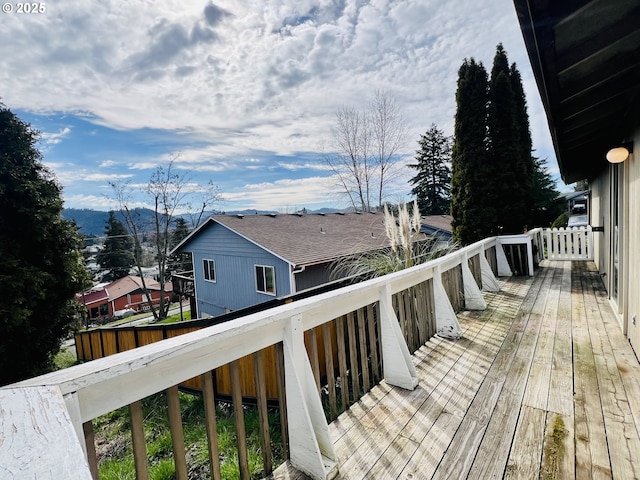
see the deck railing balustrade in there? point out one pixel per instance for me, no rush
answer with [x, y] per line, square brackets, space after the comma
[354, 336]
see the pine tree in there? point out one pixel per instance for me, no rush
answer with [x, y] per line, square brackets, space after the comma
[41, 264]
[117, 255]
[432, 183]
[546, 202]
[470, 177]
[180, 262]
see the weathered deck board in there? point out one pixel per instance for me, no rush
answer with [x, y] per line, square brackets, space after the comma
[622, 437]
[543, 384]
[592, 459]
[509, 370]
[442, 356]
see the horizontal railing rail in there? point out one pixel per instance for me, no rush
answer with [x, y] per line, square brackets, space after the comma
[68, 400]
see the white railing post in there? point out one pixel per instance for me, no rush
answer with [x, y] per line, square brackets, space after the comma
[549, 243]
[38, 439]
[489, 281]
[503, 264]
[530, 256]
[310, 447]
[504, 270]
[447, 325]
[72, 402]
[396, 359]
[473, 299]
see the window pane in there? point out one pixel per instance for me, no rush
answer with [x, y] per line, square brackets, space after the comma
[209, 270]
[260, 279]
[269, 274]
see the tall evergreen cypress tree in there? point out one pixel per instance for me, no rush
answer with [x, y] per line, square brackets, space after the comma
[493, 169]
[432, 183]
[470, 177]
[528, 166]
[504, 157]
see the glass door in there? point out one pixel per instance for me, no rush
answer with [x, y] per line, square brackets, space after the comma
[615, 233]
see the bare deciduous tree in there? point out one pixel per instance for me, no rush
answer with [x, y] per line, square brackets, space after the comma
[168, 194]
[389, 136]
[365, 148]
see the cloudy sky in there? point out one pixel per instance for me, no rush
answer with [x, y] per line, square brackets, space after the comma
[240, 92]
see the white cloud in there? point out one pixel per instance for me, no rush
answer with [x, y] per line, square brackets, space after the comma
[54, 138]
[242, 80]
[95, 202]
[286, 193]
[105, 177]
[293, 166]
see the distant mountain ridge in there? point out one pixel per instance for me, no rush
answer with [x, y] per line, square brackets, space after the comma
[92, 223]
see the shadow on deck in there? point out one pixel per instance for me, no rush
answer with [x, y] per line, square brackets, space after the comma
[543, 384]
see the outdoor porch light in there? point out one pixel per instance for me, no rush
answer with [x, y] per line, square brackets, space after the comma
[620, 153]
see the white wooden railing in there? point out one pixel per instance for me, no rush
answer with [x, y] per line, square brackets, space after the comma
[41, 431]
[571, 243]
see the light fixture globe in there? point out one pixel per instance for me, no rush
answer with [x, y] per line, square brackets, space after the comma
[617, 155]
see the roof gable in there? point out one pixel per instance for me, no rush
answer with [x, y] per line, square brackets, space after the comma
[128, 284]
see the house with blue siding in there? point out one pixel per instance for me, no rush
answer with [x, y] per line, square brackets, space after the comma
[243, 260]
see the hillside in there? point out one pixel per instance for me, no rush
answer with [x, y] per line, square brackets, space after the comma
[93, 222]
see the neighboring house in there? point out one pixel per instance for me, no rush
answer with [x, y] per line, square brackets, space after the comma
[438, 226]
[576, 201]
[241, 260]
[586, 59]
[122, 294]
[96, 303]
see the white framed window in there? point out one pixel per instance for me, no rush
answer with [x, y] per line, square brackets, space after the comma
[266, 279]
[209, 270]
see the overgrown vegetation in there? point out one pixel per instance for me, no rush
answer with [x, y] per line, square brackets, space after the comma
[65, 358]
[114, 447]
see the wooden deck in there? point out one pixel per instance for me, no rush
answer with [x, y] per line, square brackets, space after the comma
[542, 385]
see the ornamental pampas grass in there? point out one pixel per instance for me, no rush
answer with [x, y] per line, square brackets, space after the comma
[407, 247]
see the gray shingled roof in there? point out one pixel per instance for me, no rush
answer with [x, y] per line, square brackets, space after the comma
[311, 238]
[305, 239]
[438, 222]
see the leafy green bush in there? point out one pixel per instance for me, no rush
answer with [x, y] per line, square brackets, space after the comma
[561, 221]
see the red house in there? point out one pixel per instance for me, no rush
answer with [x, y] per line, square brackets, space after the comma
[122, 294]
